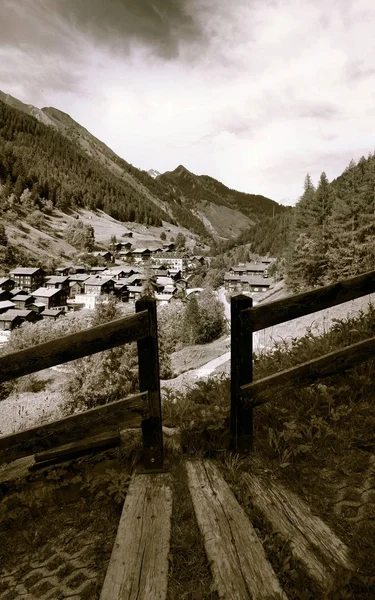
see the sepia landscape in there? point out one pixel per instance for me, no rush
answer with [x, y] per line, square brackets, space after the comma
[187, 288]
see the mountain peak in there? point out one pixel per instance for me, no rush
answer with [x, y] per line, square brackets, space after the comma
[153, 173]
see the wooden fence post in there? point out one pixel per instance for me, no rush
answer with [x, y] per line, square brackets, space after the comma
[149, 380]
[241, 415]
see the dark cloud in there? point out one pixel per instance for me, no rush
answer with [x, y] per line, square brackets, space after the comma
[159, 24]
[53, 26]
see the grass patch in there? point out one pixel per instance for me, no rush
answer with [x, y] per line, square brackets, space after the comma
[316, 440]
[193, 357]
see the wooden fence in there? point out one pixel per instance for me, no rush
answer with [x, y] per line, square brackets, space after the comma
[140, 410]
[246, 319]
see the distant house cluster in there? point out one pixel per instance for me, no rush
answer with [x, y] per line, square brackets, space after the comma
[30, 294]
[249, 277]
[162, 255]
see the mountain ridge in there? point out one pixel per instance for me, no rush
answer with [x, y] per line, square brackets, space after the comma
[218, 211]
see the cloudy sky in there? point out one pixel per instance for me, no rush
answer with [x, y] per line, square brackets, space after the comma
[255, 93]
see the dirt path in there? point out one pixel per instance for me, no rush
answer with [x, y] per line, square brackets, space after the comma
[265, 339]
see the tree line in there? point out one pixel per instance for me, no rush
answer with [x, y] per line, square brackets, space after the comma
[58, 173]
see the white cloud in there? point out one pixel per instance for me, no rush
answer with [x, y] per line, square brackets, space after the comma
[276, 90]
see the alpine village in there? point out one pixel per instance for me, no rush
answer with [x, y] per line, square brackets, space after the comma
[187, 378]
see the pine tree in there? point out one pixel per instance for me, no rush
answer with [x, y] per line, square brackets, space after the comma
[191, 326]
[351, 227]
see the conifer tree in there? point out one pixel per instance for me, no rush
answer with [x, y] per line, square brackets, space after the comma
[191, 325]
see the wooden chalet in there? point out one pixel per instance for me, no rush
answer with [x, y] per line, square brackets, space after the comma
[62, 271]
[135, 292]
[76, 287]
[28, 278]
[6, 305]
[140, 254]
[51, 297]
[169, 247]
[98, 286]
[10, 320]
[247, 283]
[7, 284]
[23, 301]
[249, 269]
[28, 315]
[77, 269]
[52, 314]
[5, 295]
[117, 272]
[106, 255]
[58, 283]
[119, 246]
[97, 270]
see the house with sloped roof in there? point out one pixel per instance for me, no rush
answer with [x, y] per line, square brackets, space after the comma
[23, 301]
[119, 246]
[28, 278]
[135, 292]
[97, 270]
[99, 285]
[249, 283]
[62, 271]
[140, 254]
[58, 282]
[51, 297]
[249, 269]
[105, 255]
[116, 272]
[9, 320]
[6, 305]
[53, 313]
[7, 284]
[5, 295]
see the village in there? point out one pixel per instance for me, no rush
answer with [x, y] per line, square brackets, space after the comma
[31, 294]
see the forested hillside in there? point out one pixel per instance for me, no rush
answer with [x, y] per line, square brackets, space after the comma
[58, 172]
[209, 209]
[332, 233]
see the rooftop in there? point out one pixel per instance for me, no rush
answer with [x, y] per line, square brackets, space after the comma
[44, 292]
[57, 279]
[97, 281]
[26, 270]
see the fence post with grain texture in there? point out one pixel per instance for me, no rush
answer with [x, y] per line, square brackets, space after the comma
[149, 380]
[241, 414]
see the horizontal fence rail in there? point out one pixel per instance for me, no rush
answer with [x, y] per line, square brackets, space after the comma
[126, 413]
[76, 345]
[246, 319]
[311, 371]
[305, 303]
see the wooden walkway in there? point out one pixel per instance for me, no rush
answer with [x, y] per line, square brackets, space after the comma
[138, 568]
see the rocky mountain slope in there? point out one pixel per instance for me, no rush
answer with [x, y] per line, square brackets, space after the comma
[200, 203]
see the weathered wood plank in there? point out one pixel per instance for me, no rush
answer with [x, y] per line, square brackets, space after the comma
[239, 565]
[241, 414]
[73, 346]
[138, 568]
[292, 307]
[312, 542]
[149, 379]
[310, 371]
[103, 440]
[122, 413]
